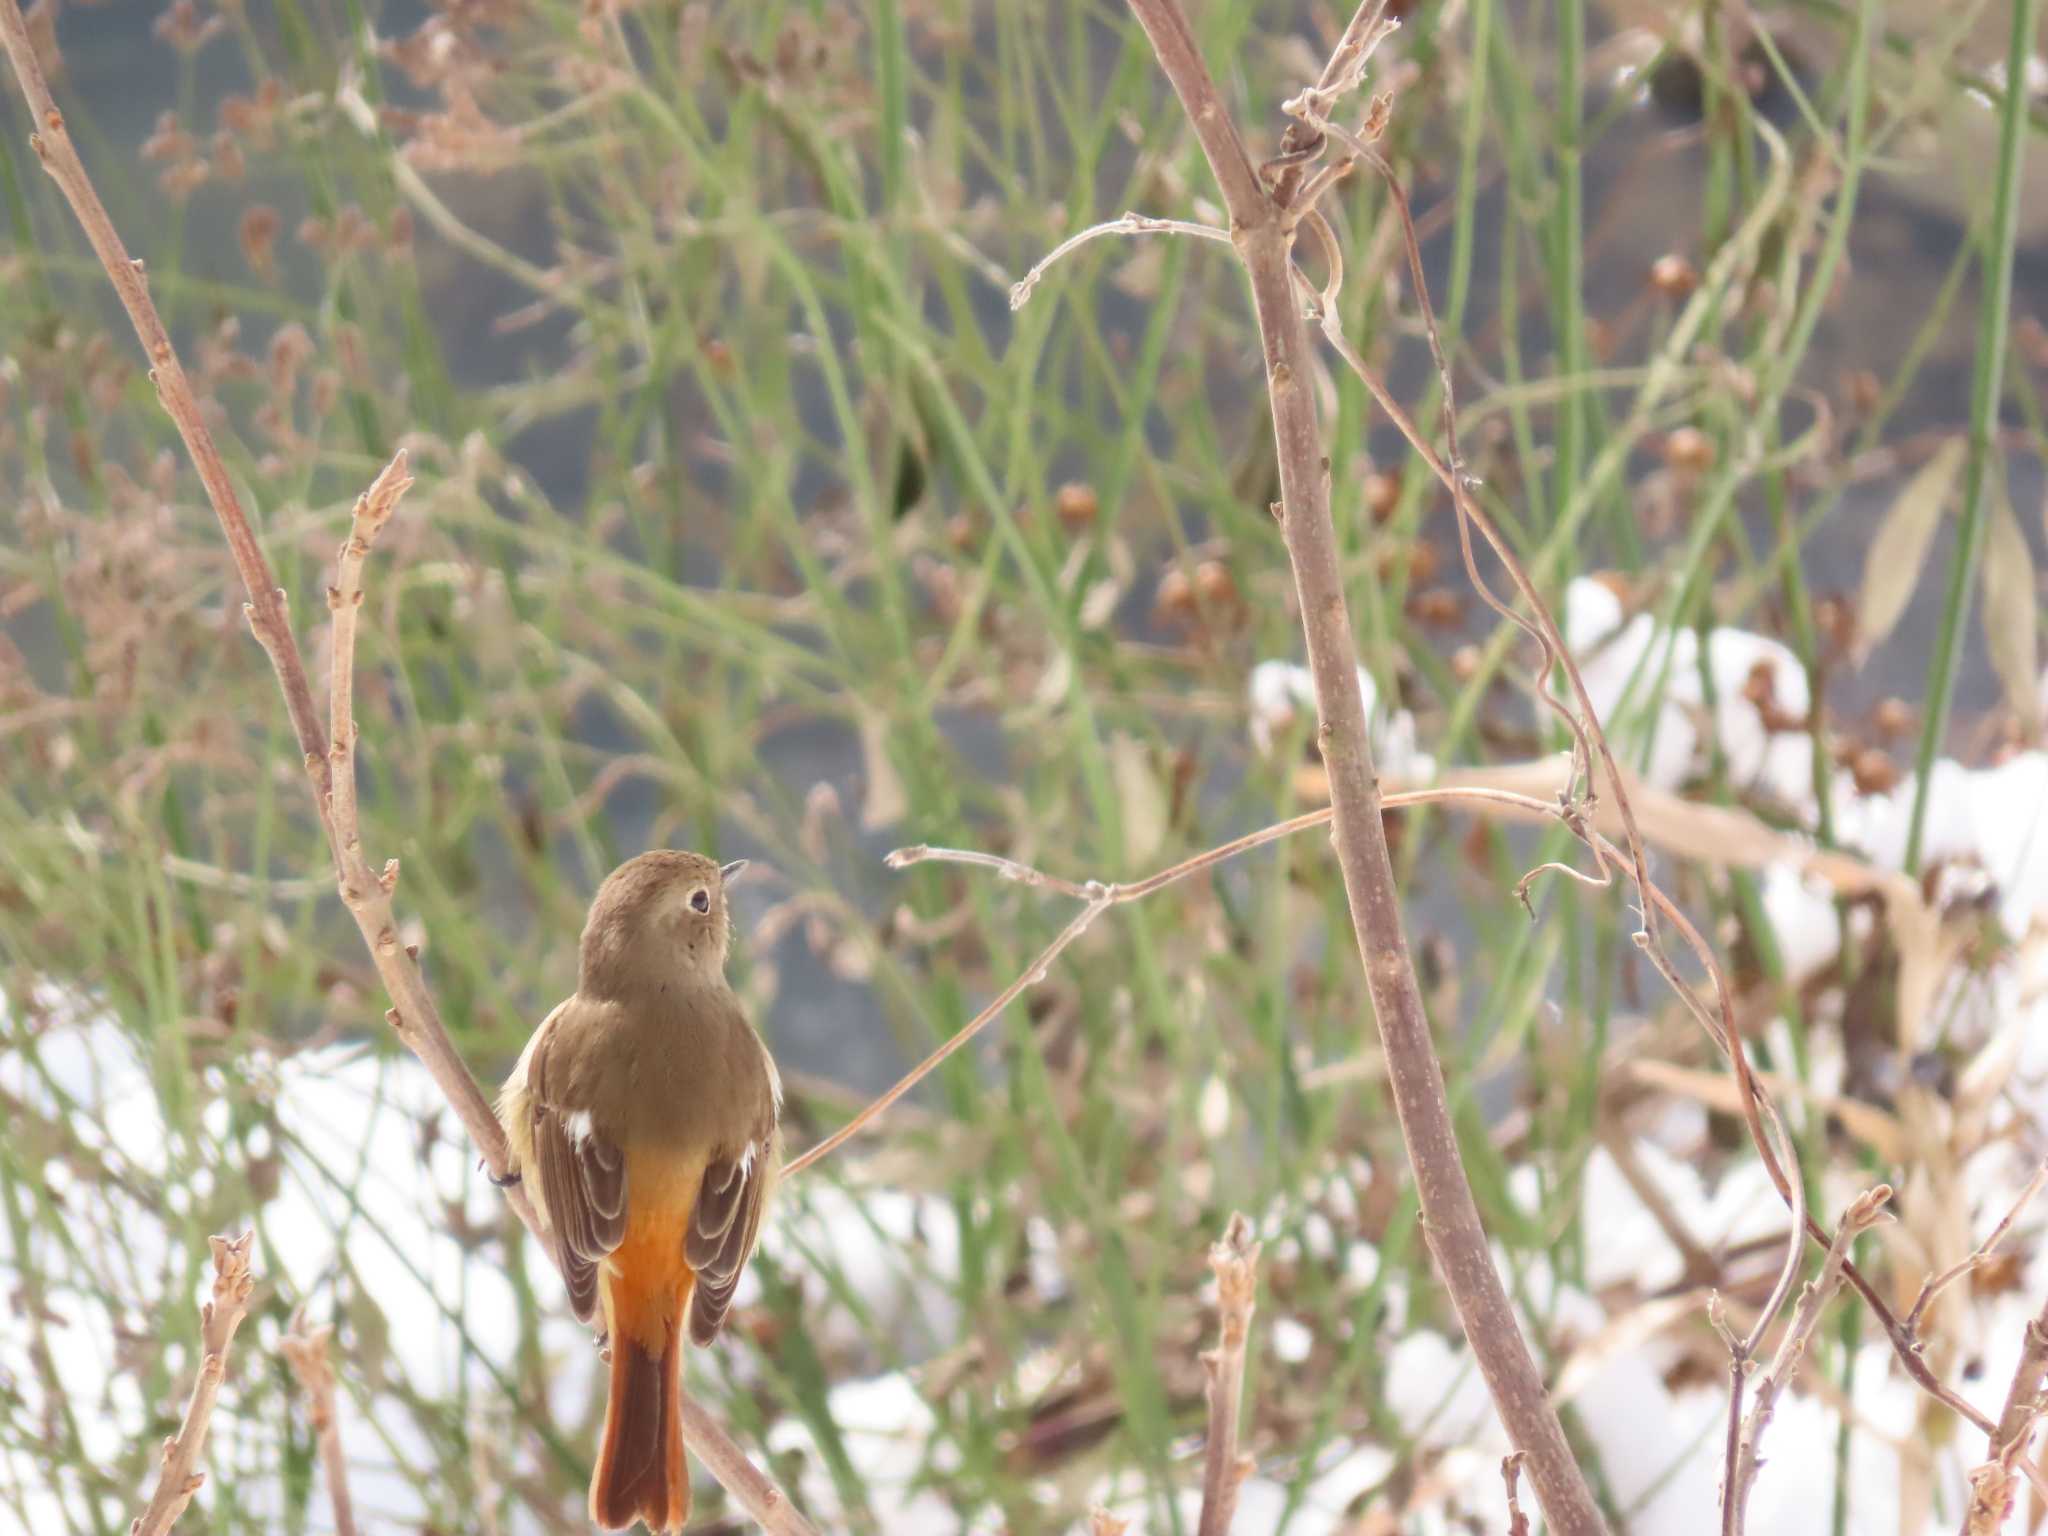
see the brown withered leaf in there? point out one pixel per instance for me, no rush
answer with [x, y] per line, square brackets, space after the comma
[1892, 565]
[2009, 608]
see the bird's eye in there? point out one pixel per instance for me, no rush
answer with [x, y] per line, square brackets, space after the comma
[700, 899]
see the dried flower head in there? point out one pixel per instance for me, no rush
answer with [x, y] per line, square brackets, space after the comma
[258, 235]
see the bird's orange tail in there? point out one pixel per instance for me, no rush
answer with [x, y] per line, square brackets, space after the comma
[640, 1469]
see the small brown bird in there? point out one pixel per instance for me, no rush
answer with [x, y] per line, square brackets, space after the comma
[644, 1118]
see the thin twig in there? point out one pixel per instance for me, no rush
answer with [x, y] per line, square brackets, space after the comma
[1129, 224]
[1511, 1474]
[1300, 144]
[1033, 974]
[1983, 1251]
[367, 895]
[1235, 1259]
[305, 1351]
[219, 1317]
[1098, 897]
[373, 509]
[1866, 1211]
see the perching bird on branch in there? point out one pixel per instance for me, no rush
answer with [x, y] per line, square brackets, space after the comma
[644, 1119]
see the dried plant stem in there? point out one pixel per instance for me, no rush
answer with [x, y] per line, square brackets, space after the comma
[1129, 224]
[265, 607]
[1262, 234]
[1033, 974]
[305, 1351]
[366, 894]
[1235, 1260]
[51, 141]
[1511, 1474]
[1099, 898]
[1983, 1251]
[1866, 1211]
[218, 1319]
[1589, 740]
[1991, 1491]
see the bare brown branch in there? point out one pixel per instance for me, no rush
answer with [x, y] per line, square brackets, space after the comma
[218, 1319]
[366, 894]
[1590, 740]
[1235, 1260]
[305, 1351]
[1991, 1488]
[51, 141]
[1263, 236]
[1866, 1211]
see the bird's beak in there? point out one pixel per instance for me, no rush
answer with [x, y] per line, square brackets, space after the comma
[733, 871]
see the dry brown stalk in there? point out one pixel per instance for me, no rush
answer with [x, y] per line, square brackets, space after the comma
[305, 1351]
[1262, 233]
[366, 894]
[1129, 224]
[1865, 1212]
[1235, 1261]
[1099, 896]
[1991, 1489]
[367, 898]
[219, 1317]
[1774, 1149]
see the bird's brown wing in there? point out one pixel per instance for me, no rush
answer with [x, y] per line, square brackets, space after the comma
[723, 1228]
[582, 1182]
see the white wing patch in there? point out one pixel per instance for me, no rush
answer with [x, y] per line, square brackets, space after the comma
[578, 1126]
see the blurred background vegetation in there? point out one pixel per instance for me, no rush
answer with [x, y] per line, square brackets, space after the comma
[751, 518]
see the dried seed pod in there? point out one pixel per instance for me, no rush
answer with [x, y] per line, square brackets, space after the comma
[1437, 608]
[1077, 507]
[1689, 451]
[1174, 600]
[1382, 495]
[1874, 771]
[1673, 276]
[1215, 587]
[1893, 718]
